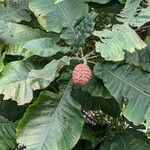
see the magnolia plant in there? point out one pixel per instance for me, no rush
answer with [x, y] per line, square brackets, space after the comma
[74, 74]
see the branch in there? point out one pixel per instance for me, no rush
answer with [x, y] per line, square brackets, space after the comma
[143, 28]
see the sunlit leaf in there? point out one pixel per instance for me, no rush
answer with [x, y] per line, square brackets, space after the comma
[55, 119]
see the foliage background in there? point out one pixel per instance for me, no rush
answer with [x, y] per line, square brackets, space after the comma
[41, 41]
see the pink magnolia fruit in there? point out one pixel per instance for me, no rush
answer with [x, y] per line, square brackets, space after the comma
[81, 75]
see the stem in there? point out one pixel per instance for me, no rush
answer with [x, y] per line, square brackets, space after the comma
[80, 59]
[92, 62]
[143, 28]
[89, 54]
[93, 57]
[84, 61]
[77, 58]
[82, 54]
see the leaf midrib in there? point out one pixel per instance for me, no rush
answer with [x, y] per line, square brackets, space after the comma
[68, 20]
[125, 24]
[128, 83]
[54, 116]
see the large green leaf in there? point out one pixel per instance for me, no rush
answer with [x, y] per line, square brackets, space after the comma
[115, 41]
[16, 12]
[132, 84]
[42, 78]
[7, 134]
[129, 11]
[140, 59]
[121, 37]
[13, 81]
[44, 47]
[53, 122]
[56, 16]
[83, 30]
[127, 140]
[141, 14]
[16, 35]
[18, 79]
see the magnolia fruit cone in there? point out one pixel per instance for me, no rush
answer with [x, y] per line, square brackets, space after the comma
[81, 75]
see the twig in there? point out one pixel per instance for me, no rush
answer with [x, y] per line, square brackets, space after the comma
[143, 28]
[89, 54]
[82, 54]
[77, 58]
[93, 57]
[92, 62]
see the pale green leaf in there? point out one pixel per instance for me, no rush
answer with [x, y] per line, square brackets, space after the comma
[142, 17]
[133, 85]
[140, 59]
[134, 13]
[53, 122]
[44, 47]
[42, 78]
[82, 30]
[115, 41]
[16, 35]
[7, 134]
[13, 81]
[54, 17]
[14, 13]
[18, 79]
[129, 11]
[121, 37]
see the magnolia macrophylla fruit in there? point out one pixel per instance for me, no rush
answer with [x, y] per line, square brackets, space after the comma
[81, 75]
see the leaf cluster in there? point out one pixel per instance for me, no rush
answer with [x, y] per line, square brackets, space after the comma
[41, 41]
